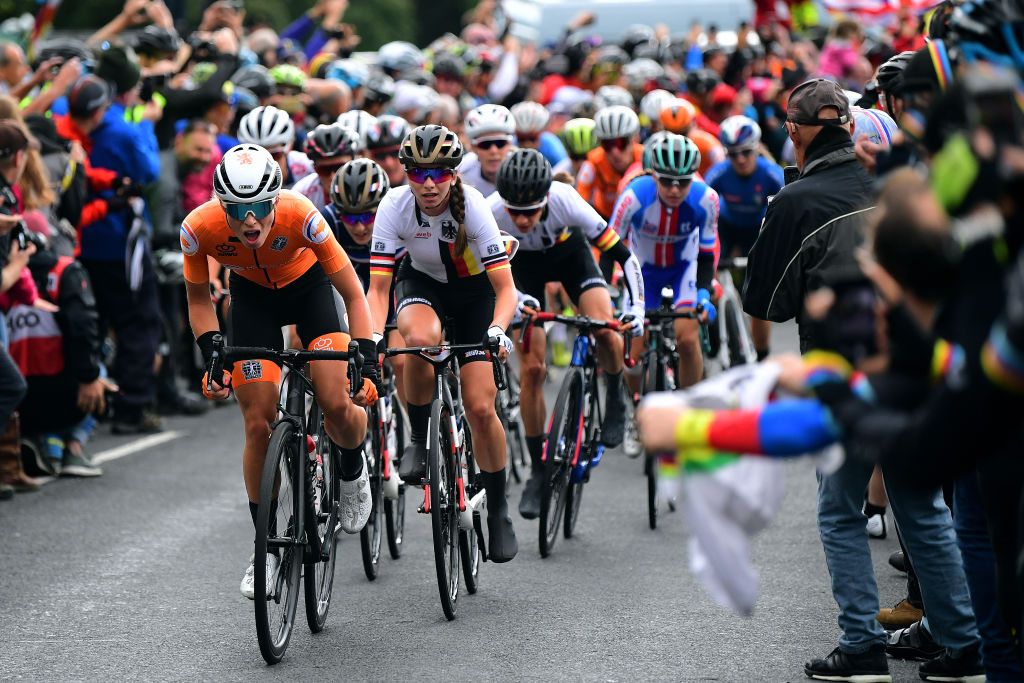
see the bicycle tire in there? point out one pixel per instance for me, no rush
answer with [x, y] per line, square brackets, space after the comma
[573, 498]
[741, 346]
[444, 509]
[394, 510]
[371, 534]
[469, 548]
[662, 381]
[561, 445]
[318, 576]
[523, 457]
[274, 630]
[508, 425]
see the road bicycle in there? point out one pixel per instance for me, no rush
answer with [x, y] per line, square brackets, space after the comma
[297, 518]
[736, 346]
[507, 407]
[452, 495]
[573, 445]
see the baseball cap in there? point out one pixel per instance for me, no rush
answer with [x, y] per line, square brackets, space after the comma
[809, 98]
[88, 95]
[12, 138]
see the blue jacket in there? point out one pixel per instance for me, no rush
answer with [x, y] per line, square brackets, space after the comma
[129, 149]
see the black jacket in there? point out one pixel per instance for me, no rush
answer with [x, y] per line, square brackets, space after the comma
[810, 232]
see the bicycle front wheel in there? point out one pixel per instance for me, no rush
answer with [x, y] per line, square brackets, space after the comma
[279, 526]
[444, 505]
[469, 548]
[371, 534]
[394, 510]
[319, 572]
[563, 444]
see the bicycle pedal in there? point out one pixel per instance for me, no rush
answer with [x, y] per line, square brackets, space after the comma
[479, 530]
[579, 472]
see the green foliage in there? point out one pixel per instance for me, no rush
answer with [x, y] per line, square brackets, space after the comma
[381, 21]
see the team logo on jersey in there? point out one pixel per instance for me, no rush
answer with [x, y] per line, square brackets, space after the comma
[378, 246]
[279, 243]
[493, 248]
[324, 343]
[252, 370]
[449, 230]
[423, 235]
[226, 250]
[316, 230]
[189, 241]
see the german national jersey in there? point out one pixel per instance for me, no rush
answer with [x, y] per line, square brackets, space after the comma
[565, 209]
[744, 200]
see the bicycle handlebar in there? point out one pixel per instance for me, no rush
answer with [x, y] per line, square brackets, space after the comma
[431, 353]
[580, 322]
[734, 262]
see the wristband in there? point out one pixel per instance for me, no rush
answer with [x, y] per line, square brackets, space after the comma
[205, 344]
[693, 428]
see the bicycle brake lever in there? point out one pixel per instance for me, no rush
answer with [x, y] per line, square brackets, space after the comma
[355, 369]
[216, 367]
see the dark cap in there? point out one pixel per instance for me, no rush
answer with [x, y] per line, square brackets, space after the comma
[809, 98]
[88, 95]
[119, 66]
[12, 138]
[918, 75]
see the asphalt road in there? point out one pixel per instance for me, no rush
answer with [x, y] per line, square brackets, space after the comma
[135, 575]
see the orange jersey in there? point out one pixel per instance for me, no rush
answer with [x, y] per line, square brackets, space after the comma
[711, 150]
[598, 183]
[299, 238]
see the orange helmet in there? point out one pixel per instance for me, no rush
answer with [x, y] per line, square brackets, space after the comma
[677, 115]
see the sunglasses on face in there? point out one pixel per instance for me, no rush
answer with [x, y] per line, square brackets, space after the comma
[438, 175]
[384, 154]
[489, 144]
[517, 211]
[668, 182]
[259, 210]
[737, 153]
[356, 218]
[615, 143]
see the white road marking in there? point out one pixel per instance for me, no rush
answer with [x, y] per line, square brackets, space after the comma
[135, 446]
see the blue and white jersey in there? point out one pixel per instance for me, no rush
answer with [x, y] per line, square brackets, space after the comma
[745, 199]
[661, 236]
[552, 149]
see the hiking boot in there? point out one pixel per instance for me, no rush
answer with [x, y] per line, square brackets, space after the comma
[147, 423]
[902, 615]
[913, 642]
[865, 667]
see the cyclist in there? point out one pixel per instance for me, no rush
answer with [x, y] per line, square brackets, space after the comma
[578, 137]
[456, 268]
[744, 182]
[360, 121]
[680, 116]
[553, 223]
[531, 132]
[329, 146]
[382, 143]
[274, 130]
[491, 130]
[285, 264]
[616, 129]
[671, 221]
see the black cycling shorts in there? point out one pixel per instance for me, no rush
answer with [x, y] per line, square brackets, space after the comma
[736, 238]
[570, 262]
[466, 305]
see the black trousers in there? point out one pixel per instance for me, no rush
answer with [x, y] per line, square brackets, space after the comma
[134, 318]
[12, 387]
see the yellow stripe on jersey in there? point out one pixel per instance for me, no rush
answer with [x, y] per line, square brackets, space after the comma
[608, 239]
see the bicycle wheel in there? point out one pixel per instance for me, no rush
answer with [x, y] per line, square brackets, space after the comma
[518, 437]
[444, 505]
[501, 407]
[279, 534]
[469, 548]
[371, 534]
[319, 574]
[562, 447]
[740, 345]
[394, 509]
[662, 381]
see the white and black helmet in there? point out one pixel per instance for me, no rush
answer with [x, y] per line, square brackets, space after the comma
[612, 95]
[616, 122]
[490, 120]
[399, 56]
[358, 120]
[247, 173]
[358, 186]
[268, 127]
[653, 102]
[531, 117]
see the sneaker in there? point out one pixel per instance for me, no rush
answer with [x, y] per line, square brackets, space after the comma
[898, 561]
[865, 667]
[148, 423]
[631, 445]
[529, 504]
[413, 468]
[502, 545]
[354, 503]
[963, 666]
[876, 526]
[902, 615]
[78, 466]
[913, 642]
[614, 425]
[248, 586]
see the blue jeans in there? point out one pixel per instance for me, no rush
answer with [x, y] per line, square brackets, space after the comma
[927, 530]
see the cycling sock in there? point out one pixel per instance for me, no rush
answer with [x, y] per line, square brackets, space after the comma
[419, 421]
[351, 465]
[872, 510]
[254, 510]
[535, 445]
[494, 484]
[614, 383]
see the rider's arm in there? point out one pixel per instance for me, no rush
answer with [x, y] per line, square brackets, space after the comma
[505, 296]
[486, 241]
[707, 256]
[383, 250]
[201, 313]
[348, 285]
[585, 180]
[627, 207]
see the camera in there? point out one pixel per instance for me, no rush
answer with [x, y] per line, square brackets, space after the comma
[203, 49]
[24, 237]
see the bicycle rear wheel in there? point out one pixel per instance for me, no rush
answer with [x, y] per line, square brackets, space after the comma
[371, 534]
[281, 488]
[469, 548]
[739, 343]
[394, 509]
[319, 574]
[444, 506]
[662, 381]
[562, 447]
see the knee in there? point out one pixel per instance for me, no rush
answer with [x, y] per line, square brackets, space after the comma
[687, 341]
[257, 423]
[479, 409]
[609, 339]
[531, 372]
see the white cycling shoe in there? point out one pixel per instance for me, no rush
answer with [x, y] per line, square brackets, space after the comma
[248, 586]
[355, 503]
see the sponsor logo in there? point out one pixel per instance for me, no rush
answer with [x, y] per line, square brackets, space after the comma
[323, 344]
[245, 158]
[189, 241]
[51, 282]
[279, 243]
[316, 230]
[493, 248]
[410, 301]
[252, 370]
[246, 187]
[378, 246]
[424, 235]
[23, 320]
[449, 230]
[226, 250]
[476, 353]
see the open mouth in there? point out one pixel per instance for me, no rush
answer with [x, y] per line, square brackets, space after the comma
[251, 236]
[431, 196]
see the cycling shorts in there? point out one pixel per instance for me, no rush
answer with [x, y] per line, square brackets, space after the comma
[736, 238]
[681, 278]
[467, 305]
[569, 262]
[257, 314]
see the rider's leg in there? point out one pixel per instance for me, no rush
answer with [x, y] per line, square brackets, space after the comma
[258, 402]
[398, 364]
[419, 325]
[532, 409]
[691, 359]
[596, 303]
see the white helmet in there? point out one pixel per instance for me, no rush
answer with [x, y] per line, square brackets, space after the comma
[531, 117]
[247, 173]
[653, 102]
[611, 95]
[400, 56]
[490, 120]
[358, 120]
[268, 127]
[616, 122]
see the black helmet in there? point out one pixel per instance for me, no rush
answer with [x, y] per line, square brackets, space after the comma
[524, 178]
[255, 78]
[890, 73]
[637, 35]
[389, 131]
[576, 49]
[380, 88]
[332, 140]
[449, 66]
[358, 186]
[701, 81]
[66, 49]
[431, 146]
[154, 40]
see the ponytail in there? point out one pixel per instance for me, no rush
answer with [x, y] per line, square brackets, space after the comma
[457, 205]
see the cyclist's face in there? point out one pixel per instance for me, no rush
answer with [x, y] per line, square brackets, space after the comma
[674, 195]
[252, 232]
[491, 153]
[744, 161]
[325, 172]
[392, 166]
[431, 196]
[360, 232]
[524, 221]
[620, 158]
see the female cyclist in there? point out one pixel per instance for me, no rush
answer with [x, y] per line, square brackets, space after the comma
[274, 130]
[491, 130]
[456, 269]
[553, 223]
[328, 147]
[285, 265]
